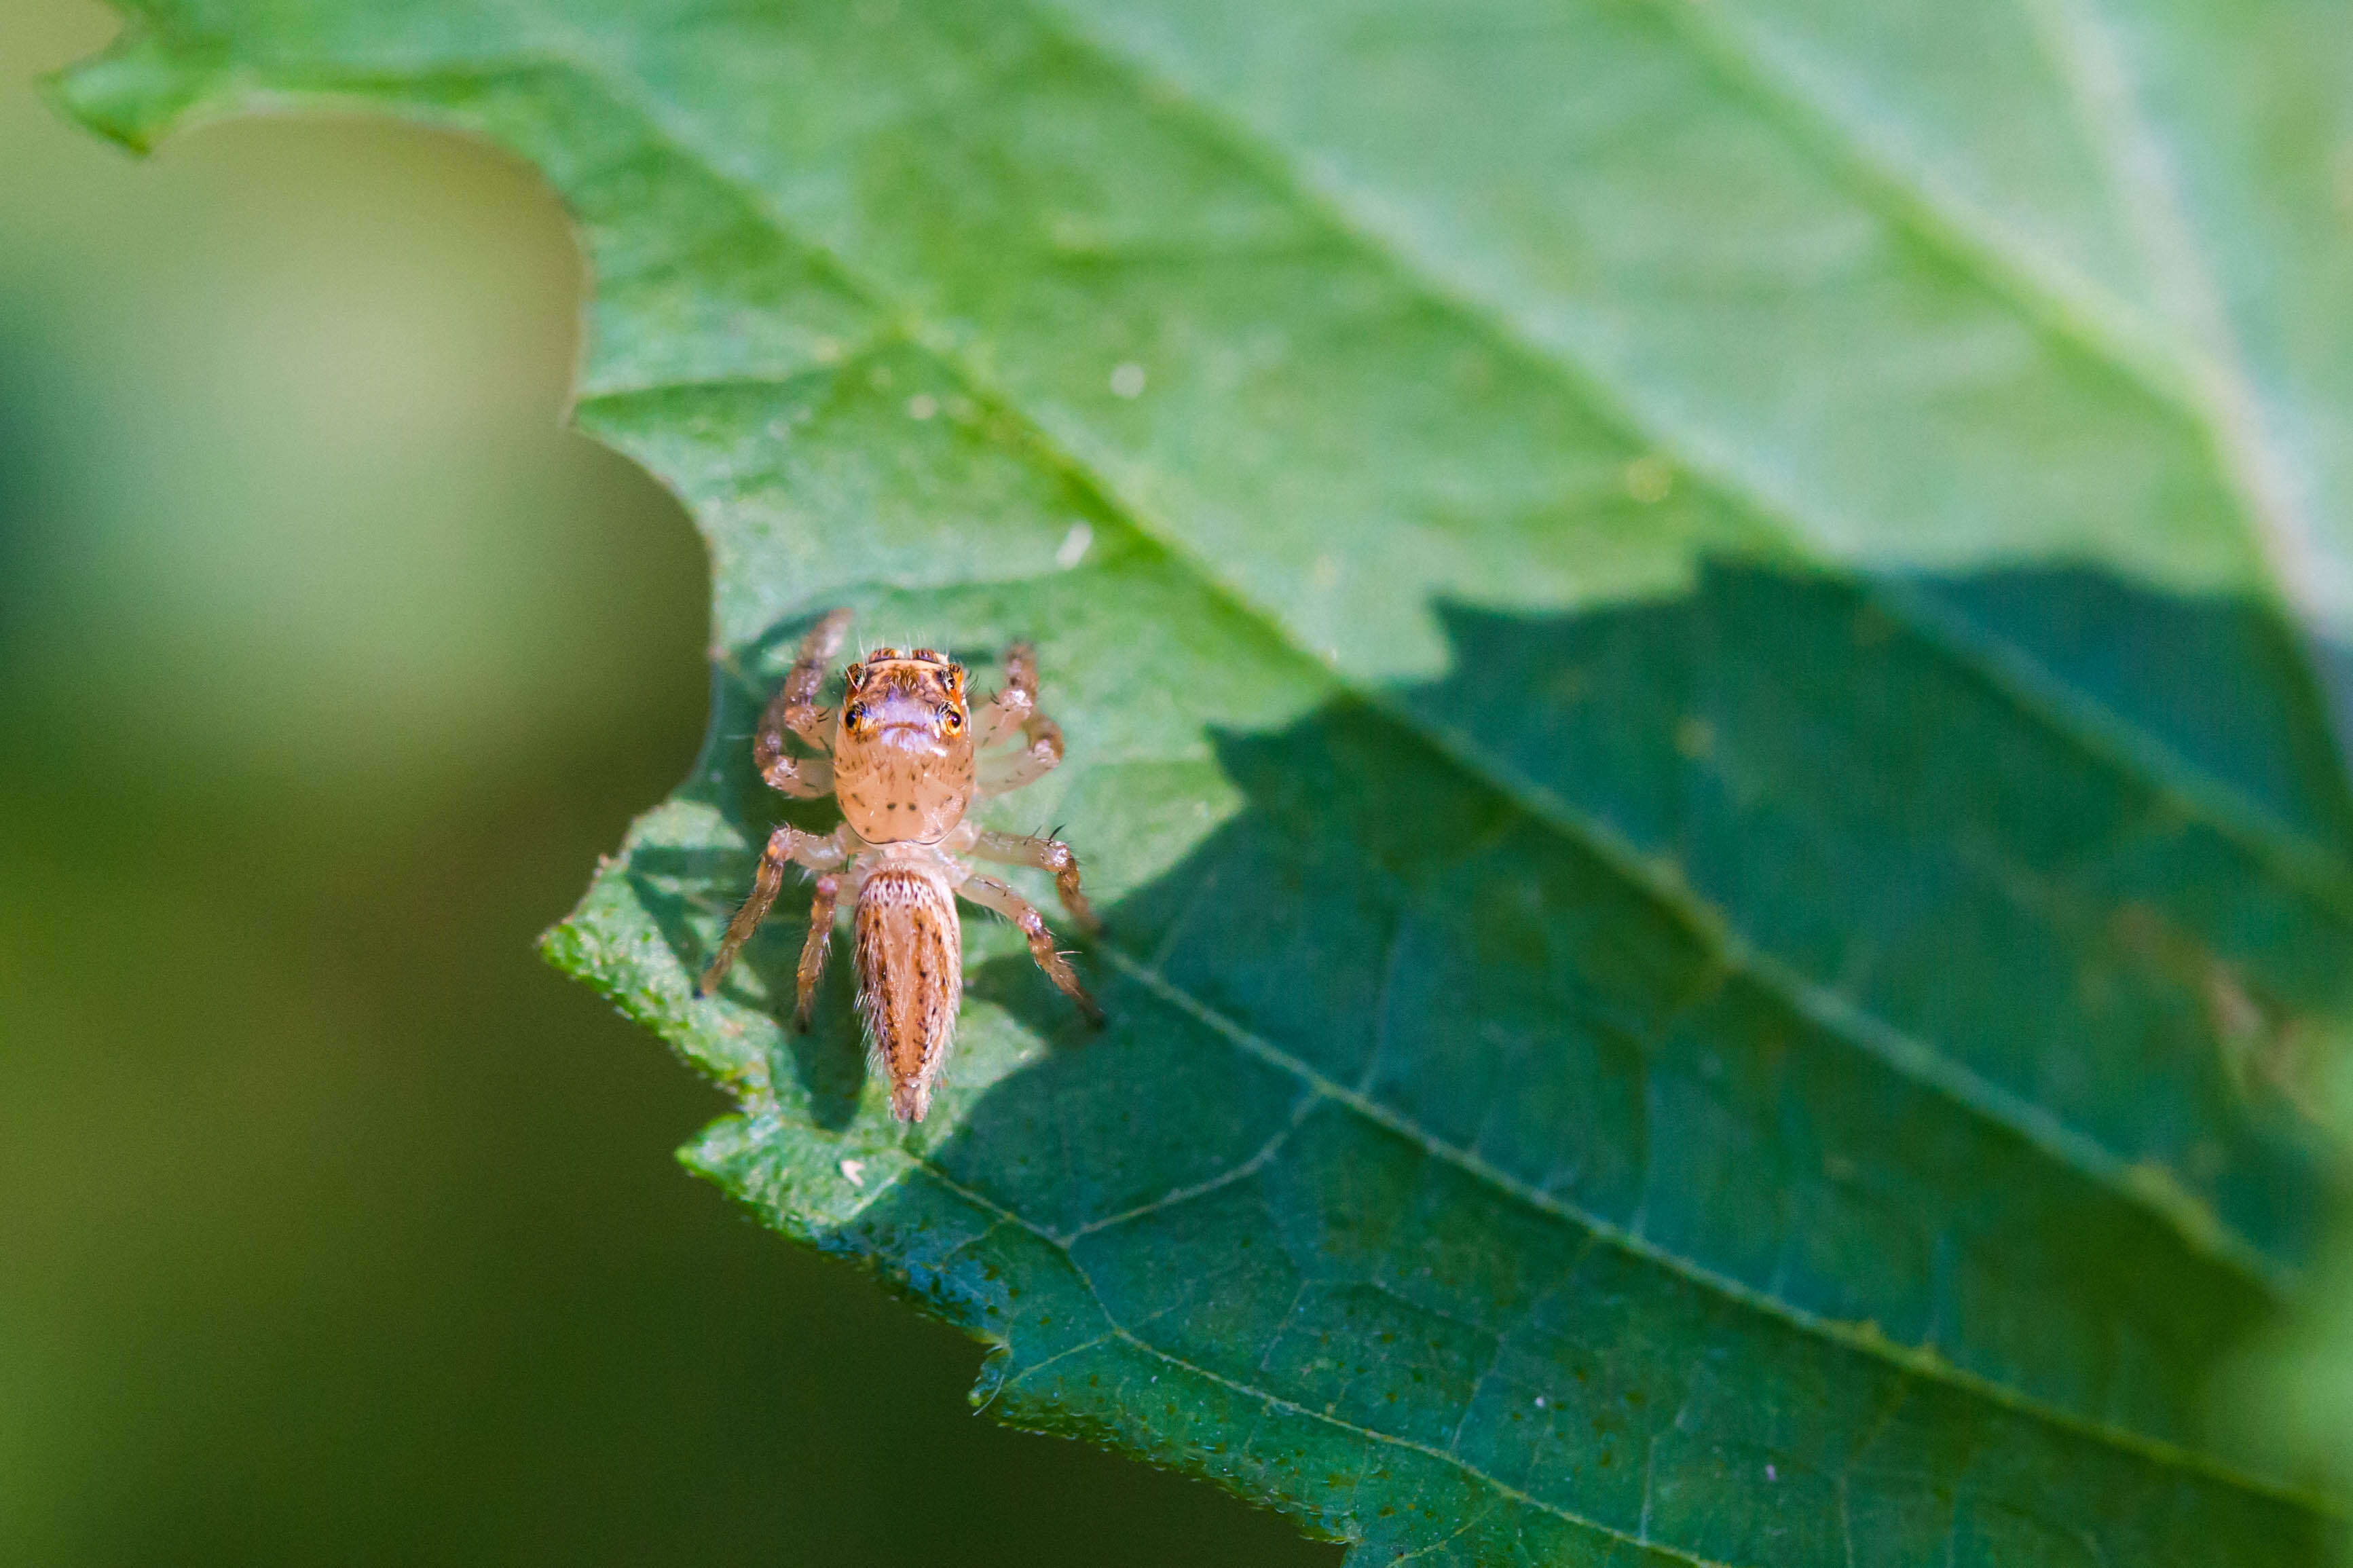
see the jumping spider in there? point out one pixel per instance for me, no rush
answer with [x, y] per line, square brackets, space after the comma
[905, 759]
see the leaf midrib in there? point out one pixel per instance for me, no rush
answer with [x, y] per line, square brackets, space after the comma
[2197, 380]
[2058, 295]
[2225, 402]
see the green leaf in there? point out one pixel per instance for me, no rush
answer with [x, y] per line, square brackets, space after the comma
[1718, 843]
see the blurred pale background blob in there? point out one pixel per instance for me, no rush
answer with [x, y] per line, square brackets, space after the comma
[333, 1226]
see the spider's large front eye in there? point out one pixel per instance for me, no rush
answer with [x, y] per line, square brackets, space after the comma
[855, 716]
[953, 719]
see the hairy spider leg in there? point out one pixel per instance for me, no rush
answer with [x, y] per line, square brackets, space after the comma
[1014, 710]
[815, 949]
[1015, 701]
[990, 893]
[787, 845]
[1045, 855]
[795, 708]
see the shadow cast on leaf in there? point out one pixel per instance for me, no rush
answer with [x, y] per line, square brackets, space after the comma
[1690, 1049]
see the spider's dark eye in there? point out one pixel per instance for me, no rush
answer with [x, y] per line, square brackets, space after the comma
[855, 715]
[954, 721]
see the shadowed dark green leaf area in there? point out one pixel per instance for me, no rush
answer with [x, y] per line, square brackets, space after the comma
[1719, 856]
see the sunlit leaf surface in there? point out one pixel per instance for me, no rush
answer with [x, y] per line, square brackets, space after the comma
[1721, 854]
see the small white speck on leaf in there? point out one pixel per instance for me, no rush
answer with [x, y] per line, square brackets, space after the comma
[1540, 1403]
[1074, 232]
[1073, 548]
[922, 406]
[1127, 379]
[1771, 1474]
[854, 1172]
[1650, 478]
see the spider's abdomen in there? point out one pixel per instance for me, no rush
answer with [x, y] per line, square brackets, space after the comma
[910, 978]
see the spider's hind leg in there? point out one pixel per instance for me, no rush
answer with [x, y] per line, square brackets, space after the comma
[1045, 855]
[990, 893]
[815, 949]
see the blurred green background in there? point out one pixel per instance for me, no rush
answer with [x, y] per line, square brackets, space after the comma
[333, 1226]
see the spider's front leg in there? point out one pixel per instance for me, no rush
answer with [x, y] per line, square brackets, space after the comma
[1015, 710]
[990, 893]
[1045, 855]
[795, 708]
[787, 845]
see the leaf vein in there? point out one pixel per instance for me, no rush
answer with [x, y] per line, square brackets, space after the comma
[1275, 1402]
[1911, 1364]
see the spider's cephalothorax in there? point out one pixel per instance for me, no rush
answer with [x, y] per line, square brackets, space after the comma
[906, 756]
[902, 757]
